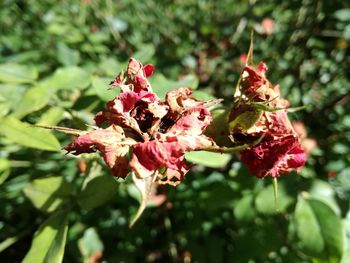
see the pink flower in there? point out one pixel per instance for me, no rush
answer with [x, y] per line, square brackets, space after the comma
[156, 134]
[268, 26]
[243, 58]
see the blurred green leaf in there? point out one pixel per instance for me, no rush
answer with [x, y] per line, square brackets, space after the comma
[265, 202]
[318, 229]
[11, 95]
[51, 117]
[162, 85]
[4, 169]
[97, 190]
[244, 210]
[101, 87]
[15, 73]
[343, 15]
[68, 78]
[209, 159]
[322, 191]
[49, 193]
[23, 134]
[145, 53]
[67, 56]
[216, 195]
[49, 241]
[34, 99]
[90, 243]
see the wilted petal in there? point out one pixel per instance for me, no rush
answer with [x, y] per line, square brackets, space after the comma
[112, 145]
[137, 75]
[179, 100]
[148, 70]
[273, 157]
[192, 121]
[166, 151]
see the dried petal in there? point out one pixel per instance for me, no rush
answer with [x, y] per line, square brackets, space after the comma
[273, 157]
[112, 144]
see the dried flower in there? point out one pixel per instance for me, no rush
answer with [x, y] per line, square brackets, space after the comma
[155, 133]
[260, 111]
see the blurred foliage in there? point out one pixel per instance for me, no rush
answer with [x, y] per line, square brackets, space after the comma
[56, 60]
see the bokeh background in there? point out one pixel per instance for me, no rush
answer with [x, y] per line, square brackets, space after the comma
[56, 61]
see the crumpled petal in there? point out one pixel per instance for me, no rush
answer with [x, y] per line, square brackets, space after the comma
[111, 143]
[167, 152]
[259, 111]
[274, 157]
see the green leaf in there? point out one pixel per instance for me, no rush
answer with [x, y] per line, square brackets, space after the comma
[47, 194]
[97, 190]
[161, 85]
[265, 203]
[322, 191]
[110, 67]
[90, 243]
[101, 86]
[319, 231]
[145, 53]
[34, 99]
[15, 73]
[4, 169]
[343, 15]
[11, 94]
[51, 117]
[23, 134]
[244, 210]
[203, 95]
[209, 159]
[49, 241]
[68, 78]
[346, 256]
[67, 56]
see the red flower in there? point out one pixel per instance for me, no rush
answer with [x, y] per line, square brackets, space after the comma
[112, 144]
[156, 133]
[274, 157]
[280, 150]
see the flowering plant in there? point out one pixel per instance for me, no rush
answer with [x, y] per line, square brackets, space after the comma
[138, 133]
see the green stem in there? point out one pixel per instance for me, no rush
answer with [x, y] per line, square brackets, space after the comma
[275, 192]
[239, 148]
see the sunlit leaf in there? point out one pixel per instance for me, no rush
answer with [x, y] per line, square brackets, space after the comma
[51, 117]
[49, 241]
[162, 85]
[145, 53]
[319, 230]
[97, 189]
[23, 134]
[4, 169]
[34, 99]
[66, 55]
[68, 78]
[101, 87]
[49, 193]
[15, 73]
[209, 159]
[90, 243]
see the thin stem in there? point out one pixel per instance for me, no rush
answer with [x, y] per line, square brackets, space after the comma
[275, 192]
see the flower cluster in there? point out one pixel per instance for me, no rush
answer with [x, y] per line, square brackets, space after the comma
[260, 112]
[137, 132]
